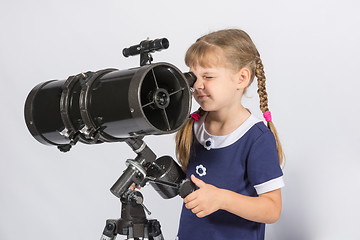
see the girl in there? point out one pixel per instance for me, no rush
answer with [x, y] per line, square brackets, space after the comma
[232, 157]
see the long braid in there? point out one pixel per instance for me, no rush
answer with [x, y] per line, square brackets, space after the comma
[260, 75]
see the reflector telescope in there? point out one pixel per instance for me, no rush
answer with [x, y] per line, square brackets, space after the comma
[109, 105]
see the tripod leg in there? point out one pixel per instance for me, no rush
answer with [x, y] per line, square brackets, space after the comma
[109, 232]
[155, 230]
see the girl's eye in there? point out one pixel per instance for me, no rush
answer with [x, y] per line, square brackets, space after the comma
[208, 77]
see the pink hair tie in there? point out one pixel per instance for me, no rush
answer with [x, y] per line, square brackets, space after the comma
[195, 116]
[267, 116]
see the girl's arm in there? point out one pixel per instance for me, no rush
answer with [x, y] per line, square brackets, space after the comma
[265, 208]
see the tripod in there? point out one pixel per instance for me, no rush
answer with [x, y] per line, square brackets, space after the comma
[159, 172]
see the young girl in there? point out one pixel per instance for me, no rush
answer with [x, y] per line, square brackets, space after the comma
[232, 157]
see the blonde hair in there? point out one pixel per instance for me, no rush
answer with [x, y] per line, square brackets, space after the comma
[239, 51]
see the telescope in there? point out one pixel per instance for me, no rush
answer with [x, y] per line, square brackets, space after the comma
[112, 105]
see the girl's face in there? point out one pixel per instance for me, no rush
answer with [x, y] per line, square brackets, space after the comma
[217, 88]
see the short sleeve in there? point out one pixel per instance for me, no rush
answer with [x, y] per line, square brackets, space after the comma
[263, 168]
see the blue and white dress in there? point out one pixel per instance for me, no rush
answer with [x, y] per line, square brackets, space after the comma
[244, 161]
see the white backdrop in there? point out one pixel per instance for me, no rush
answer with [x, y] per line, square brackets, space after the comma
[310, 52]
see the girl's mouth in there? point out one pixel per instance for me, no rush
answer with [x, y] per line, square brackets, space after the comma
[202, 96]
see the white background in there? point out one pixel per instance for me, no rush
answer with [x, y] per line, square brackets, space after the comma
[310, 51]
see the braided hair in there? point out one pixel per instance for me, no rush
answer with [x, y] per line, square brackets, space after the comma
[260, 75]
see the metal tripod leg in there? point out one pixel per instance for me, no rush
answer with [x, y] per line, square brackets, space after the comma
[109, 232]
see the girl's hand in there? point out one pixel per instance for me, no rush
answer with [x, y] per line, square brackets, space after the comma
[205, 200]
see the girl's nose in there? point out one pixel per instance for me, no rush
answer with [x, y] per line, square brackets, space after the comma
[199, 84]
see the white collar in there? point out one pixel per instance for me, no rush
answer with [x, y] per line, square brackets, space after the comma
[210, 141]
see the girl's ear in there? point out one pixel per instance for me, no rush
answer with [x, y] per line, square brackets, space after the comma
[244, 78]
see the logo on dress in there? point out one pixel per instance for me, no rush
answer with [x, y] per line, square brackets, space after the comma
[201, 170]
